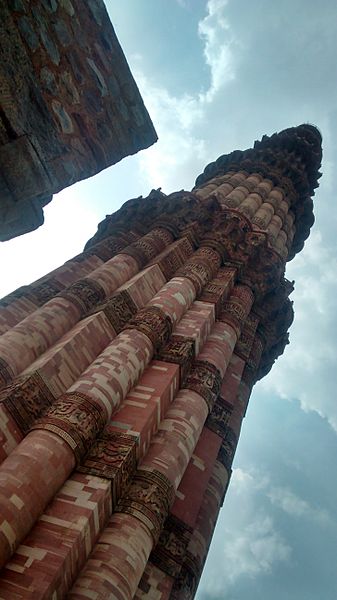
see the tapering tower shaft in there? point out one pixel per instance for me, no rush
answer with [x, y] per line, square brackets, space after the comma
[127, 372]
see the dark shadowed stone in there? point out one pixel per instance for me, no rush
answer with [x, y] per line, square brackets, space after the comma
[123, 109]
[48, 80]
[76, 66]
[81, 125]
[97, 151]
[70, 168]
[62, 32]
[79, 34]
[138, 115]
[17, 5]
[50, 46]
[63, 117]
[28, 33]
[96, 10]
[118, 130]
[68, 87]
[68, 7]
[113, 86]
[102, 56]
[103, 130]
[120, 70]
[61, 90]
[92, 100]
[135, 136]
[78, 146]
[38, 16]
[129, 91]
[106, 42]
[98, 76]
[23, 167]
[49, 5]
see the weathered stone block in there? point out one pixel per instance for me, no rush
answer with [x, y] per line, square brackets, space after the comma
[69, 104]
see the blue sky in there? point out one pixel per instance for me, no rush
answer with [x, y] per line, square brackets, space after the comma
[216, 75]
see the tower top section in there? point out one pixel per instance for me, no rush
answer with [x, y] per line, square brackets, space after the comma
[291, 159]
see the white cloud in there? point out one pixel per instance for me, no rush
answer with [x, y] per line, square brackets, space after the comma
[255, 550]
[215, 30]
[293, 505]
[248, 549]
[182, 121]
[308, 365]
[170, 163]
[250, 543]
[251, 480]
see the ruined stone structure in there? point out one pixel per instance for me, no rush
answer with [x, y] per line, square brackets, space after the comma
[127, 371]
[69, 106]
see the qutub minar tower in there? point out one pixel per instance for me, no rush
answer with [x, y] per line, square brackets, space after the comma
[127, 371]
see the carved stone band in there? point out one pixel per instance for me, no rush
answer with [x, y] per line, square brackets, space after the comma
[218, 419]
[205, 379]
[227, 449]
[246, 339]
[149, 499]
[236, 309]
[154, 323]
[119, 310]
[26, 398]
[75, 418]
[217, 290]
[201, 268]
[110, 246]
[185, 584]
[149, 246]
[170, 551]
[6, 373]
[181, 351]
[112, 456]
[85, 294]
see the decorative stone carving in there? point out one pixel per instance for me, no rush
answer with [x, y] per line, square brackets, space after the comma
[181, 351]
[236, 309]
[246, 339]
[44, 291]
[77, 419]
[217, 290]
[85, 294]
[149, 499]
[229, 231]
[26, 398]
[149, 246]
[112, 456]
[201, 268]
[173, 258]
[6, 373]
[170, 550]
[109, 246]
[118, 310]
[227, 449]
[205, 379]
[250, 372]
[185, 585]
[218, 418]
[154, 323]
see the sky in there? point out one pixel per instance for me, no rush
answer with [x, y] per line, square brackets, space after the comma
[215, 76]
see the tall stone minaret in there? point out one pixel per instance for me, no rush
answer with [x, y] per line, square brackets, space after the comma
[126, 374]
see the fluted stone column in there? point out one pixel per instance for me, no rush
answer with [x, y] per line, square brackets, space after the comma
[125, 375]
